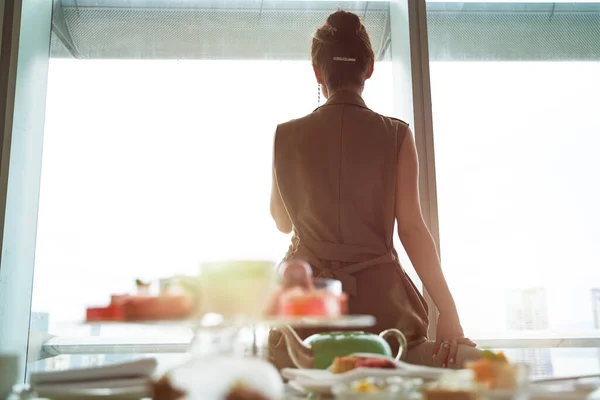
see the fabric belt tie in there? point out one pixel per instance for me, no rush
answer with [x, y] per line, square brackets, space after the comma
[318, 253]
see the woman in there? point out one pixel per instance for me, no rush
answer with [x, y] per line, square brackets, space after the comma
[342, 176]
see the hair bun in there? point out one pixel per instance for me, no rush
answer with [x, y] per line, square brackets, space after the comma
[344, 24]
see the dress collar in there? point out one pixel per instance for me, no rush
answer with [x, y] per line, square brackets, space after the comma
[345, 97]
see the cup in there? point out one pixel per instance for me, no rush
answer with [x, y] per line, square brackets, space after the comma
[236, 288]
[332, 286]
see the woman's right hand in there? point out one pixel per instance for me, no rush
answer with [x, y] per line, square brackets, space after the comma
[449, 336]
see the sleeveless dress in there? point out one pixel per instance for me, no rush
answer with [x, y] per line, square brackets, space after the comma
[336, 173]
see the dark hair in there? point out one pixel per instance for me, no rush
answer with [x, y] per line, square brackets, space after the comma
[341, 49]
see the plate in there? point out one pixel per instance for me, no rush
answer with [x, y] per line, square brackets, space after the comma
[119, 389]
[321, 381]
[140, 369]
[311, 387]
[563, 390]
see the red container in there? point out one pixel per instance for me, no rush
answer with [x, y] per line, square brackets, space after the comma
[145, 308]
[311, 303]
[110, 313]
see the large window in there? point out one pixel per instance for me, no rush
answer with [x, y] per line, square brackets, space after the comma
[158, 143]
[157, 154]
[515, 91]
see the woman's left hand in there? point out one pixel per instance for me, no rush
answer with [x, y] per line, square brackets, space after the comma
[449, 336]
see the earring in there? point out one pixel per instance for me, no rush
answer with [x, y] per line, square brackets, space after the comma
[318, 95]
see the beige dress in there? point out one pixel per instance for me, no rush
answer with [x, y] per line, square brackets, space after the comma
[336, 173]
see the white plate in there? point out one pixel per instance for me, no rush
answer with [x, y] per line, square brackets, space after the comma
[121, 389]
[311, 387]
[138, 368]
[321, 381]
[572, 390]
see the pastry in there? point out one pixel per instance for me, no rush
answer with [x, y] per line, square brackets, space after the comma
[163, 390]
[494, 371]
[146, 308]
[243, 392]
[343, 364]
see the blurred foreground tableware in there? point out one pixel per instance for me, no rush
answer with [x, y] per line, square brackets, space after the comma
[113, 389]
[133, 369]
[496, 373]
[222, 377]
[378, 389]
[236, 289]
[9, 370]
[453, 385]
[129, 380]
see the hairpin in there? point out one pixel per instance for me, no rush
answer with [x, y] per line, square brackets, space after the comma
[344, 59]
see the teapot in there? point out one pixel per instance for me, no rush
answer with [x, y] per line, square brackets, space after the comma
[318, 351]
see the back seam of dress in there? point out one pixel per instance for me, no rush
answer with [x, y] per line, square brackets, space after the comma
[339, 205]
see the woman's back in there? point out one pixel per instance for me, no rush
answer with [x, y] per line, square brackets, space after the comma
[336, 172]
[342, 176]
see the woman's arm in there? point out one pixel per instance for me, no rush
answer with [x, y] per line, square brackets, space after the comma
[420, 247]
[413, 232]
[278, 211]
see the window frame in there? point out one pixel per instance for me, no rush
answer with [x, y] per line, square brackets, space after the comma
[24, 61]
[409, 19]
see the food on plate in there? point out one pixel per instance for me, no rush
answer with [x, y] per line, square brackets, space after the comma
[494, 371]
[143, 288]
[365, 386]
[343, 299]
[372, 388]
[119, 299]
[144, 308]
[181, 285]
[241, 391]
[453, 385]
[297, 302]
[297, 295]
[380, 363]
[222, 378]
[344, 364]
[163, 390]
[297, 274]
[110, 313]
